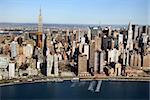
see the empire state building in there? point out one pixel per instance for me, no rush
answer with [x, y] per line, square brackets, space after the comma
[40, 31]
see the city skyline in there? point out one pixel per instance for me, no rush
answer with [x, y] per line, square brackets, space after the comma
[75, 11]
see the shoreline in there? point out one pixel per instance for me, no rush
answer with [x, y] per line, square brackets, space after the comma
[18, 82]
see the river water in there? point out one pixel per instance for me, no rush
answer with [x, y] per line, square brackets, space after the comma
[67, 90]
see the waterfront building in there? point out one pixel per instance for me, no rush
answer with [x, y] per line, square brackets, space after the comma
[96, 62]
[11, 71]
[20, 60]
[102, 61]
[82, 65]
[131, 60]
[92, 54]
[117, 69]
[56, 70]
[4, 60]
[146, 60]
[50, 61]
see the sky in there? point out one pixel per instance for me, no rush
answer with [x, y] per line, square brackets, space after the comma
[76, 11]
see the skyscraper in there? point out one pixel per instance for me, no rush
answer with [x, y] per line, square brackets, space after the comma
[13, 47]
[40, 31]
[130, 36]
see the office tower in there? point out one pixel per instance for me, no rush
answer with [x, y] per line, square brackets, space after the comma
[89, 34]
[132, 60]
[120, 43]
[127, 59]
[50, 61]
[120, 39]
[135, 29]
[86, 50]
[56, 70]
[135, 60]
[145, 38]
[21, 59]
[82, 40]
[109, 31]
[73, 47]
[139, 60]
[106, 43]
[79, 35]
[96, 62]
[101, 61]
[124, 57]
[82, 65]
[81, 48]
[28, 50]
[130, 36]
[13, 47]
[98, 42]
[11, 71]
[92, 51]
[113, 55]
[112, 44]
[40, 31]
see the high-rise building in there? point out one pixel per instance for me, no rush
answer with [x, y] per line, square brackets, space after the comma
[40, 31]
[89, 34]
[13, 47]
[28, 50]
[118, 69]
[135, 29]
[130, 36]
[98, 42]
[86, 50]
[82, 65]
[11, 70]
[92, 51]
[50, 61]
[56, 70]
[96, 62]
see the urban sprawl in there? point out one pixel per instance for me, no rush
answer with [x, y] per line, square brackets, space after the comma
[85, 53]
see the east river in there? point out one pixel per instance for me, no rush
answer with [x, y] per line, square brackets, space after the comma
[67, 90]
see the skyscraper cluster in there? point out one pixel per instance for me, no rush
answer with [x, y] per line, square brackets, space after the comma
[93, 51]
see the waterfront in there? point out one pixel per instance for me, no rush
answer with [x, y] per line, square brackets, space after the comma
[77, 91]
